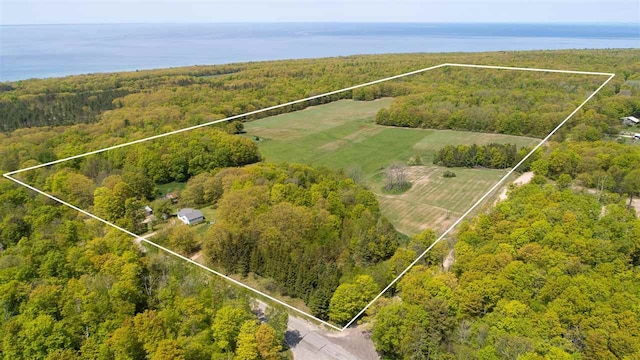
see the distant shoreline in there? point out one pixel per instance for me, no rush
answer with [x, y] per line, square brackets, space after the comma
[590, 23]
[45, 51]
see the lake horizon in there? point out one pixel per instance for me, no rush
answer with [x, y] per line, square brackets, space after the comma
[44, 51]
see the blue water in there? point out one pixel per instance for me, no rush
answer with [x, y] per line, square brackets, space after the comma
[30, 51]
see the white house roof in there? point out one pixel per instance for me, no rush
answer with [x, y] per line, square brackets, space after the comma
[632, 119]
[190, 214]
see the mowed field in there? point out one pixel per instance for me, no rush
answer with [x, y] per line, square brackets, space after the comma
[343, 135]
[433, 201]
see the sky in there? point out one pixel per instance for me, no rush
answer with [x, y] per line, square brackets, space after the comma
[14, 12]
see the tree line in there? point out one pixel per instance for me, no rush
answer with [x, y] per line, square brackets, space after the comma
[493, 156]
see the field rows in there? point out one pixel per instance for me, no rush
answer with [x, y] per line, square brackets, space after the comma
[343, 135]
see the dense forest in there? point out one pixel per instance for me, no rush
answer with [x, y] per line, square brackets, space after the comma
[56, 108]
[54, 102]
[552, 272]
[161, 100]
[297, 226]
[607, 167]
[70, 290]
[521, 104]
[547, 274]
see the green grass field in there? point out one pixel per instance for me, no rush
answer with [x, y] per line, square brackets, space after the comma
[164, 189]
[343, 135]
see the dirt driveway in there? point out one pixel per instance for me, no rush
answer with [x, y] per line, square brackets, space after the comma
[525, 178]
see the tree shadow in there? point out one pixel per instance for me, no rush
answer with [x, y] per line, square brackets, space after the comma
[292, 338]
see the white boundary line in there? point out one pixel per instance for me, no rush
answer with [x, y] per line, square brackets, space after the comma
[171, 252]
[478, 202]
[8, 175]
[298, 102]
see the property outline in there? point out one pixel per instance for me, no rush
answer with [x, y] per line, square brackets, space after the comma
[244, 115]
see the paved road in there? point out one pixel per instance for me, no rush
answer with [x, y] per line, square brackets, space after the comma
[309, 341]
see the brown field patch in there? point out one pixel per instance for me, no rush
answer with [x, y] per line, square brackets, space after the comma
[433, 201]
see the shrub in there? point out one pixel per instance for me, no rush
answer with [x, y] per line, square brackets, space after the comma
[415, 161]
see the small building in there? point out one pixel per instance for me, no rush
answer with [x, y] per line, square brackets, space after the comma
[148, 210]
[630, 121]
[173, 196]
[636, 136]
[190, 216]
